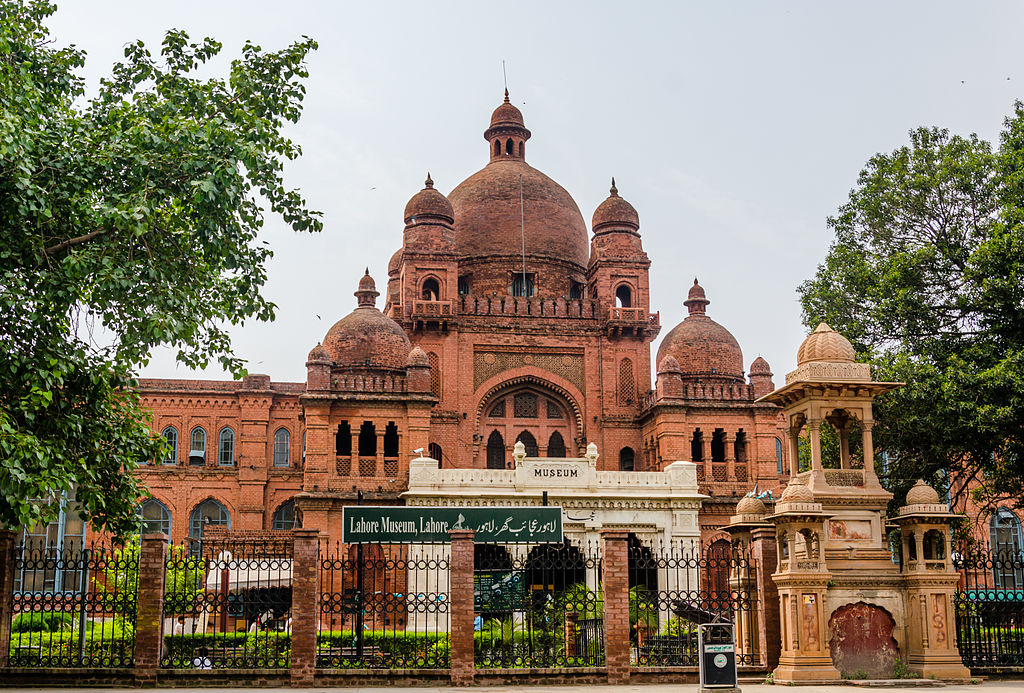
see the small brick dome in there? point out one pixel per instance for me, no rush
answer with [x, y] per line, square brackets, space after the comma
[669, 364]
[429, 205]
[366, 337]
[395, 263]
[749, 505]
[700, 345]
[418, 357]
[760, 367]
[825, 344]
[615, 211]
[507, 114]
[922, 494]
[318, 355]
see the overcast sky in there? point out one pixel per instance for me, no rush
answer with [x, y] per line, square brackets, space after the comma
[734, 128]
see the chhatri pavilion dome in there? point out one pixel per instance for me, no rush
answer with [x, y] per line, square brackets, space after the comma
[366, 337]
[490, 221]
[702, 347]
[825, 344]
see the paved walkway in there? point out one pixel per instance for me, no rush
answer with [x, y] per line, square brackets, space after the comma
[998, 686]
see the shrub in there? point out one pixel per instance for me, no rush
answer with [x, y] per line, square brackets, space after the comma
[42, 621]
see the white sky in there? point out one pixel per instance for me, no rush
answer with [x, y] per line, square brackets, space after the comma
[734, 128]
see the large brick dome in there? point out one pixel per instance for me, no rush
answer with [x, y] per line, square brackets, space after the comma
[366, 337]
[702, 347]
[489, 217]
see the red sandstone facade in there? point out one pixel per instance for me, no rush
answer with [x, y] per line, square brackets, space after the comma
[504, 319]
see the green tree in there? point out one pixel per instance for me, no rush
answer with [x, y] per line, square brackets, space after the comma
[137, 211]
[926, 278]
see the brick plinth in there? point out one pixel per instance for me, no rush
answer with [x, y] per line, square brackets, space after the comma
[6, 590]
[150, 608]
[764, 551]
[460, 575]
[615, 576]
[305, 592]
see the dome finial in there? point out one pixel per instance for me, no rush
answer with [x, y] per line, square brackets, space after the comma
[506, 94]
[429, 183]
[366, 295]
[696, 301]
[614, 191]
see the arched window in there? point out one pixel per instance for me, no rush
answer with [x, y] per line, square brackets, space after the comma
[171, 436]
[522, 284]
[155, 517]
[556, 445]
[285, 516]
[434, 452]
[627, 383]
[391, 440]
[343, 440]
[624, 297]
[282, 448]
[522, 149]
[226, 448]
[435, 374]
[718, 445]
[497, 147]
[495, 451]
[527, 439]
[697, 447]
[1007, 560]
[626, 459]
[197, 447]
[778, 456]
[739, 447]
[576, 291]
[463, 285]
[508, 146]
[367, 439]
[206, 514]
[430, 290]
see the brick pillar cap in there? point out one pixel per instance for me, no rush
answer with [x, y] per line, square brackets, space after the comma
[7, 533]
[462, 533]
[614, 534]
[305, 533]
[155, 536]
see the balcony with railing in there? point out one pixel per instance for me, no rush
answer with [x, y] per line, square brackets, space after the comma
[632, 322]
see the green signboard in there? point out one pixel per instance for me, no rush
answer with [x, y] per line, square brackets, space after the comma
[499, 591]
[410, 525]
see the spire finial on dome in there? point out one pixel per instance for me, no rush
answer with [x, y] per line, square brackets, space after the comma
[506, 94]
[696, 301]
[429, 182]
[614, 191]
[366, 295]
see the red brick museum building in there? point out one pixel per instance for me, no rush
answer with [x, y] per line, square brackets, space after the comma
[503, 319]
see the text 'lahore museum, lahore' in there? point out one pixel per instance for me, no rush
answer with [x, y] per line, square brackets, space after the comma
[505, 363]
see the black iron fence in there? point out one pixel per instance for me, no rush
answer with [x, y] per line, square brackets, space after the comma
[537, 606]
[384, 606]
[228, 606]
[674, 588]
[990, 607]
[74, 606]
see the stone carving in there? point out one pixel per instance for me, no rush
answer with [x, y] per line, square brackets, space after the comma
[489, 364]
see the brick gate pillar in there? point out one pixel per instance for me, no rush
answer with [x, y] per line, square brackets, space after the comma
[615, 578]
[149, 617]
[764, 550]
[305, 605]
[7, 558]
[460, 576]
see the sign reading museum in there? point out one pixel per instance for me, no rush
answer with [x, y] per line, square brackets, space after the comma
[407, 525]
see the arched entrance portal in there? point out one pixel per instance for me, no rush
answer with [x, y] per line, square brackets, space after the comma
[861, 641]
[541, 419]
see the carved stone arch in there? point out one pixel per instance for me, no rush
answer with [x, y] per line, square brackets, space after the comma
[499, 385]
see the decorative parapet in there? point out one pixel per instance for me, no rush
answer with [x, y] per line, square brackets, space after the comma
[925, 509]
[538, 474]
[830, 372]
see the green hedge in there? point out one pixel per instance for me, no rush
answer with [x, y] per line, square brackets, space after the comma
[106, 644]
[384, 648]
[39, 621]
